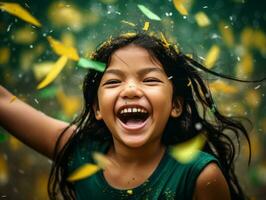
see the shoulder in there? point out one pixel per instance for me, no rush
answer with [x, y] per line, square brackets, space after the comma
[211, 184]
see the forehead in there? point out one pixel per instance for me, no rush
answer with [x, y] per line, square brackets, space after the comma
[133, 56]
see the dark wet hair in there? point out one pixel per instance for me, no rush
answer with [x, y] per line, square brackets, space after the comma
[198, 108]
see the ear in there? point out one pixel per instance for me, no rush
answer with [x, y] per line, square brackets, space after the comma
[177, 107]
[96, 110]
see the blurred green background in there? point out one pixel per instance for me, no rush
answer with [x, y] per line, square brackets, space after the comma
[226, 35]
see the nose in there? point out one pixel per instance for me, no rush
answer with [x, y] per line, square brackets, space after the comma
[131, 90]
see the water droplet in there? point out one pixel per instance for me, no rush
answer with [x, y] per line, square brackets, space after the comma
[31, 46]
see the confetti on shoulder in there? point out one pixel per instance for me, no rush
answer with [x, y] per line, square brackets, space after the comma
[13, 99]
[16, 10]
[148, 13]
[91, 64]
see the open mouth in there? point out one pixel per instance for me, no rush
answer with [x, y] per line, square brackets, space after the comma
[133, 116]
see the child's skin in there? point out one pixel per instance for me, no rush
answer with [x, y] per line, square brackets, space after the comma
[132, 79]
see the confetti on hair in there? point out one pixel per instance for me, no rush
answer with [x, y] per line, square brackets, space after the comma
[180, 7]
[187, 151]
[146, 26]
[212, 56]
[57, 68]
[128, 35]
[63, 50]
[128, 23]
[91, 64]
[227, 34]
[83, 172]
[13, 98]
[202, 19]
[17, 10]
[220, 86]
[189, 83]
[166, 44]
[148, 13]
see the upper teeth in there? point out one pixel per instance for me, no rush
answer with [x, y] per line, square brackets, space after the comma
[132, 110]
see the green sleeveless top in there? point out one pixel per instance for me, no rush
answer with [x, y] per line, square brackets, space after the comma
[170, 180]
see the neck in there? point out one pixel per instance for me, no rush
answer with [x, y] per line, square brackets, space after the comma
[137, 156]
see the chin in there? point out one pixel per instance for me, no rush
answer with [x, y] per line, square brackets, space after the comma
[135, 141]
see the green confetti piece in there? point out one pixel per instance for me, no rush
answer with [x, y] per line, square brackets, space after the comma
[148, 13]
[48, 92]
[90, 64]
[3, 137]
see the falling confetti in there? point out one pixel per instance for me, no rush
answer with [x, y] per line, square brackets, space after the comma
[212, 56]
[179, 5]
[246, 66]
[17, 10]
[227, 34]
[101, 160]
[148, 13]
[130, 192]
[91, 64]
[83, 172]
[220, 86]
[63, 50]
[129, 23]
[202, 19]
[70, 104]
[146, 26]
[59, 65]
[187, 151]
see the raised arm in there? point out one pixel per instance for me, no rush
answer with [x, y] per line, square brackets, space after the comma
[29, 125]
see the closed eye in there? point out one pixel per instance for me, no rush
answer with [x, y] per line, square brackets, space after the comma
[112, 82]
[151, 80]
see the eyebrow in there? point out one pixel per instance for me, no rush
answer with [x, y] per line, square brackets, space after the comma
[140, 72]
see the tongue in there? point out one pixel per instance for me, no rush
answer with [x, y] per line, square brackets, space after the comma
[134, 122]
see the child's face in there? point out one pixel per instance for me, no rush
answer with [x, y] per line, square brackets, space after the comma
[135, 97]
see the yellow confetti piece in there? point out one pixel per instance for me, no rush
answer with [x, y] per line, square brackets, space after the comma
[187, 151]
[101, 160]
[69, 104]
[128, 23]
[40, 70]
[128, 35]
[246, 66]
[164, 40]
[202, 19]
[83, 172]
[259, 41]
[212, 56]
[246, 37]
[17, 10]
[220, 86]
[4, 172]
[227, 34]
[25, 35]
[58, 66]
[253, 98]
[130, 192]
[146, 26]
[179, 5]
[13, 99]
[4, 55]
[63, 50]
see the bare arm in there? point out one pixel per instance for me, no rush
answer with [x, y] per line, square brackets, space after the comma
[211, 184]
[29, 125]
